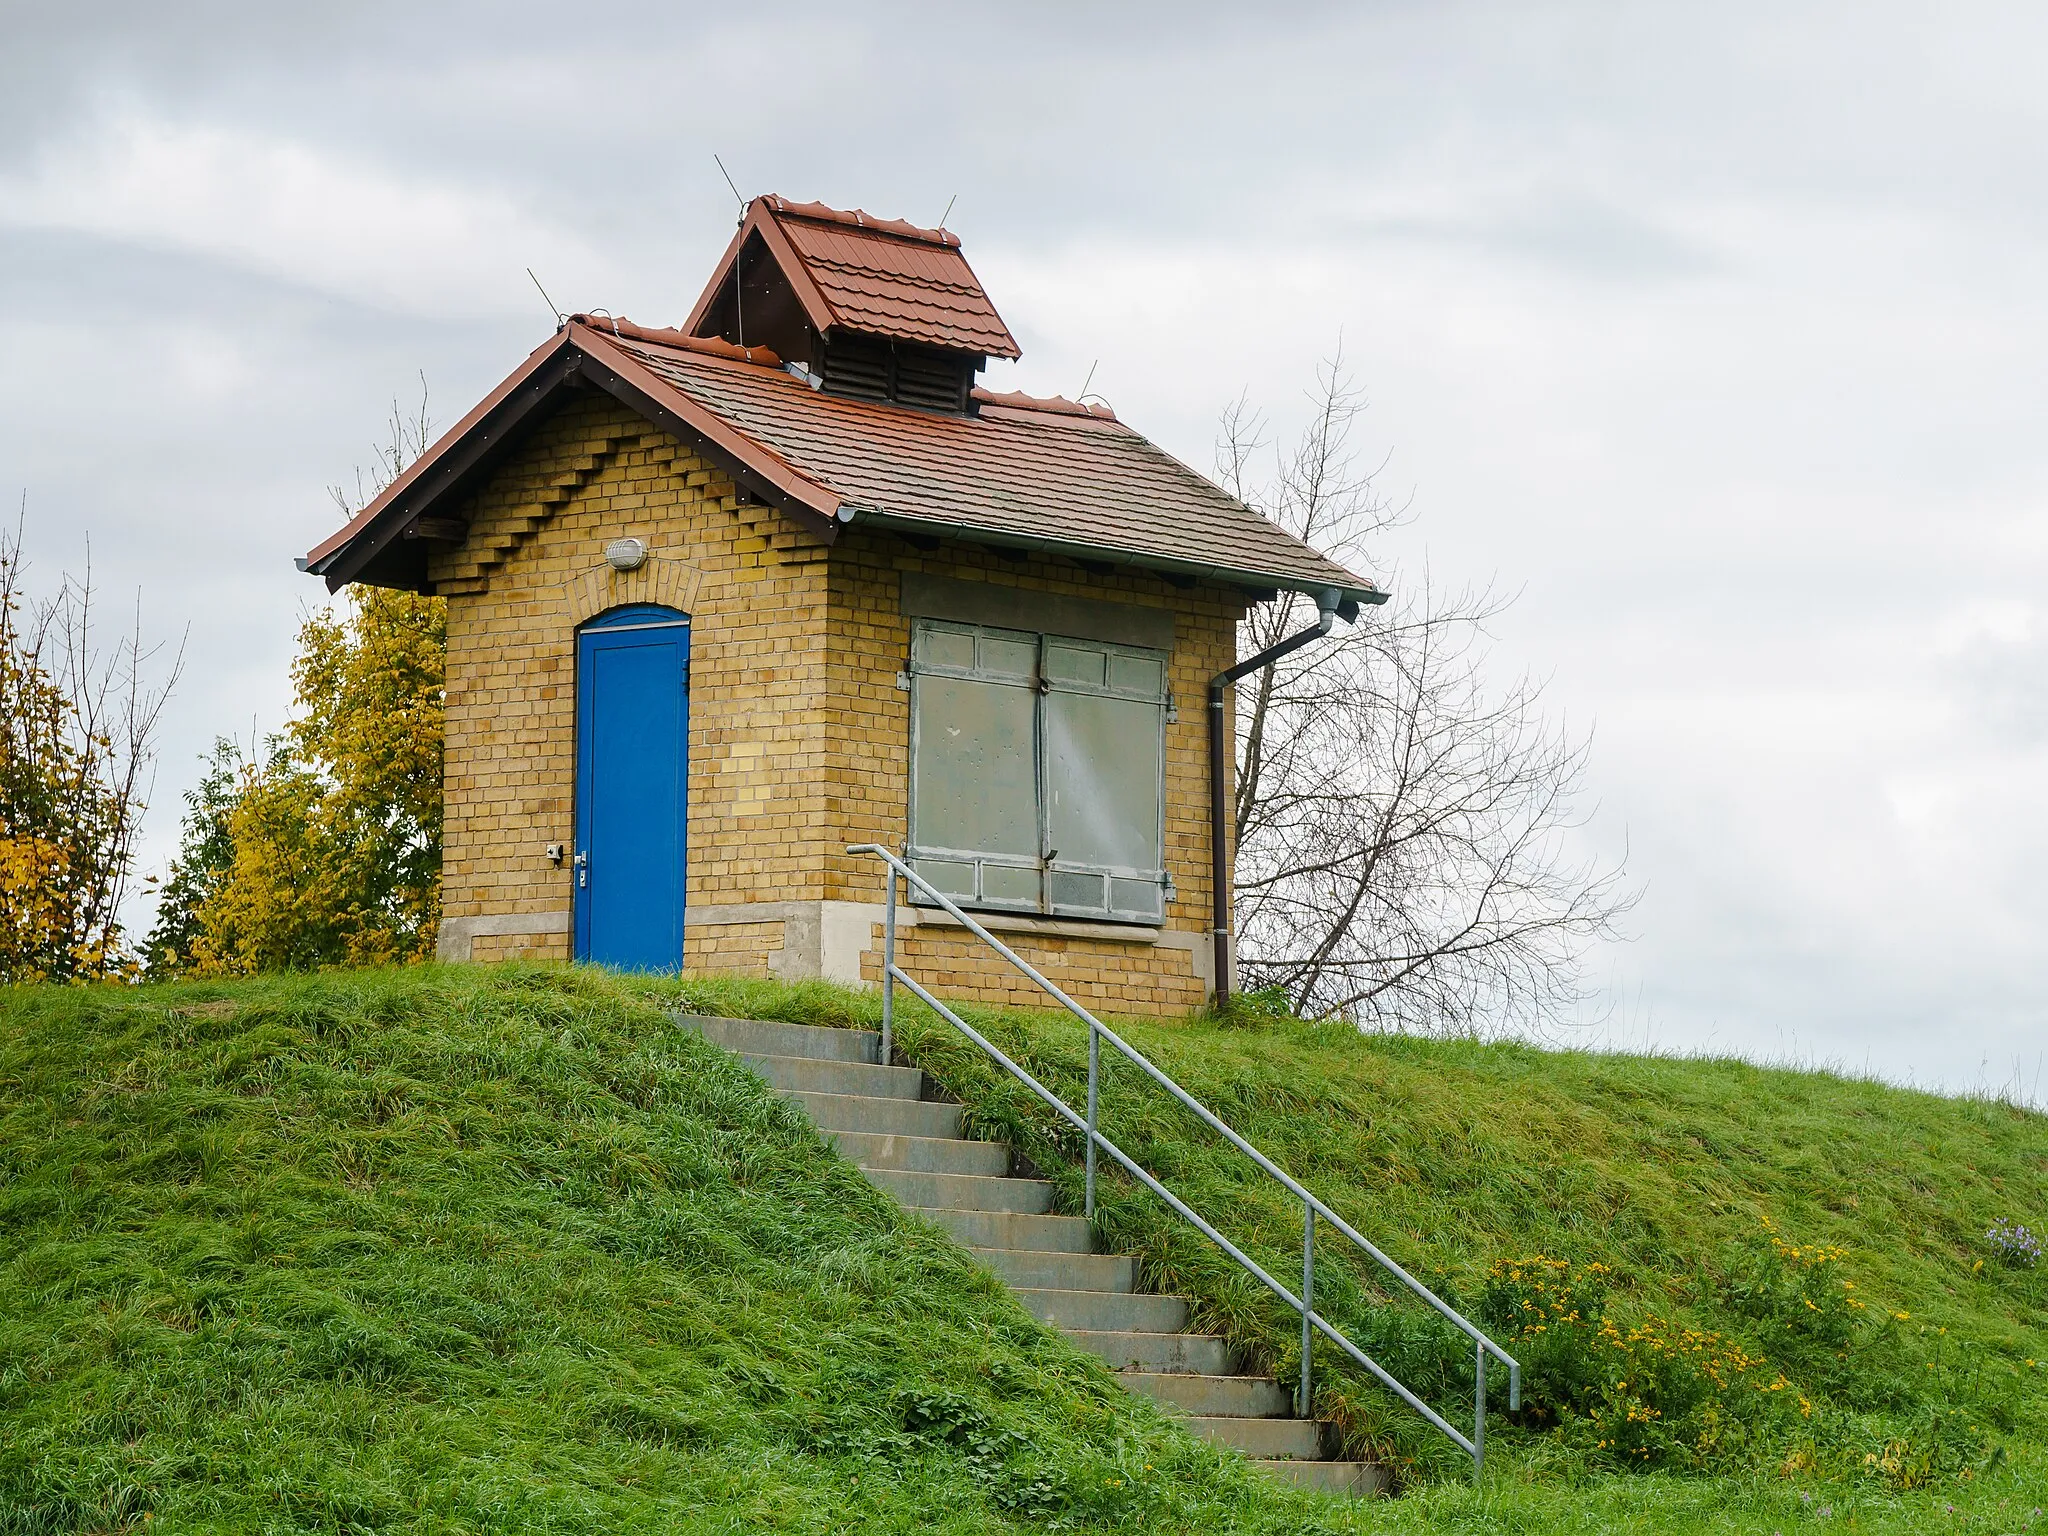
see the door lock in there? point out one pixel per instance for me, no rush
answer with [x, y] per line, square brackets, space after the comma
[582, 870]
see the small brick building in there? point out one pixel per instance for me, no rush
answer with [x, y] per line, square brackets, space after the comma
[727, 598]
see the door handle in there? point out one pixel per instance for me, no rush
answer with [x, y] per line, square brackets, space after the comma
[582, 870]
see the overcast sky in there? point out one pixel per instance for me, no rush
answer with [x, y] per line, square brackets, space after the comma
[1717, 332]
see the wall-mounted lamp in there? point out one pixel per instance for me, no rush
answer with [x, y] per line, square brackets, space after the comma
[626, 554]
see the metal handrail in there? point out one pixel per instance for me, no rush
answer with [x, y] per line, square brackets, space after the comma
[1312, 1322]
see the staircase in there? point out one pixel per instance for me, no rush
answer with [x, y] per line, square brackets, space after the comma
[910, 1146]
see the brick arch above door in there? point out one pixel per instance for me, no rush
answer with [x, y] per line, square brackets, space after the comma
[663, 580]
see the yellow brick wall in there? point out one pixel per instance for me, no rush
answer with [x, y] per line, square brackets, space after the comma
[799, 737]
[745, 949]
[489, 947]
[532, 569]
[1101, 974]
[869, 732]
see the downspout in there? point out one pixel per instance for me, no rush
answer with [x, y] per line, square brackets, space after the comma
[1332, 607]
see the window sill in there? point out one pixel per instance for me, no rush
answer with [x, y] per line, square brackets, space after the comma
[1044, 927]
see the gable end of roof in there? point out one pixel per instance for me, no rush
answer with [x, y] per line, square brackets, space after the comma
[856, 273]
[374, 545]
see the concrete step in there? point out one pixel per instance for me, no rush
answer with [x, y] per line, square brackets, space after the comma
[801, 1074]
[923, 1154]
[1263, 1439]
[1360, 1479]
[888, 1117]
[1105, 1310]
[771, 1037]
[1035, 1269]
[1233, 1397]
[912, 1149]
[964, 1191]
[1008, 1229]
[1191, 1354]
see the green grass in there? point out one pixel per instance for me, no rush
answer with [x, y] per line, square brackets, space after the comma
[458, 1250]
[453, 1250]
[1457, 1156]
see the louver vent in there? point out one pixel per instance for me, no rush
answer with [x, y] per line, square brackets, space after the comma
[858, 368]
[933, 380]
[864, 368]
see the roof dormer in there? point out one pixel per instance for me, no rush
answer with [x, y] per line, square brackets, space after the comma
[874, 309]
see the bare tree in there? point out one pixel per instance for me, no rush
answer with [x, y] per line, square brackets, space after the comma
[410, 434]
[78, 725]
[1403, 827]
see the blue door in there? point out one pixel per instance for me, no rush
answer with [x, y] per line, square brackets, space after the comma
[632, 772]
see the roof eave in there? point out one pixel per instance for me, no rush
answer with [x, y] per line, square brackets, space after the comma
[475, 442]
[461, 450]
[1350, 590]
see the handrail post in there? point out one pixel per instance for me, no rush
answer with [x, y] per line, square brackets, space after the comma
[1479, 1412]
[1094, 1100]
[1306, 1397]
[888, 963]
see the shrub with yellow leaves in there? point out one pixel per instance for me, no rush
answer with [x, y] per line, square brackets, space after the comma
[76, 729]
[1795, 1289]
[1650, 1392]
[329, 852]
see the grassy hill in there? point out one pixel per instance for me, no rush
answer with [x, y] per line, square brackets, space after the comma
[501, 1250]
[1748, 1298]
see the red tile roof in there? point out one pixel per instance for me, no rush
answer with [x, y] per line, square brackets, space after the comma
[1023, 472]
[880, 277]
[1059, 403]
[1043, 472]
[669, 336]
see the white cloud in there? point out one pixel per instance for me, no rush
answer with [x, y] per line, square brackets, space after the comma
[294, 211]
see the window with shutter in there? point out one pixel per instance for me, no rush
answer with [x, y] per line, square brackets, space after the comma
[1102, 754]
[1037, 771]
